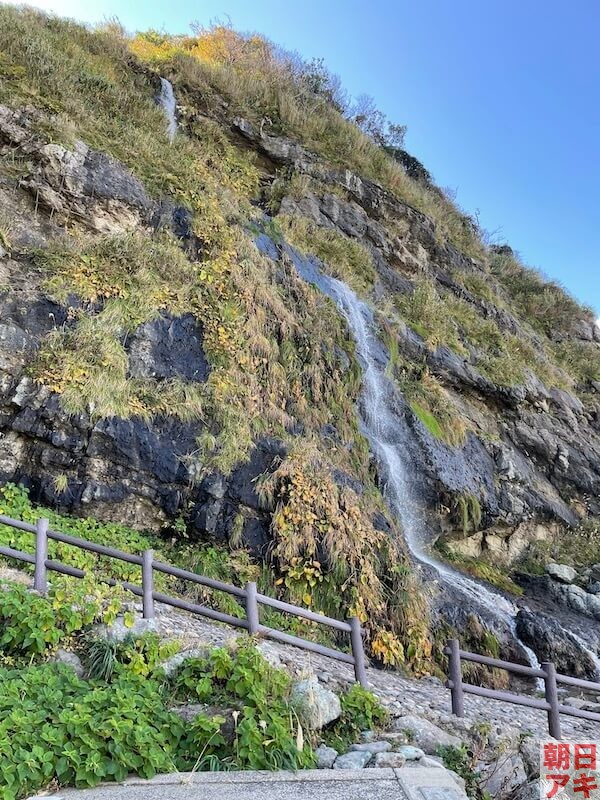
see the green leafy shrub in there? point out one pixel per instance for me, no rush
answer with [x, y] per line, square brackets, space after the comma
[32, 626]
[27, 623]
[135, 655]
[361, 710]
[267, 732]
[54, 726]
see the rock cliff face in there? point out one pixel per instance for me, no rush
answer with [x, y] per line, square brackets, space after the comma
[506, 436]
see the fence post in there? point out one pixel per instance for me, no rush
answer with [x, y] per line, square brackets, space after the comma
[40, 578]
[455, 678]
[147, 585]
[552, 699]
[252, 609]
[360, 672]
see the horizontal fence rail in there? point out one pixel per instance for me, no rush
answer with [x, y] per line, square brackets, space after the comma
[547, 673]
[249, 596]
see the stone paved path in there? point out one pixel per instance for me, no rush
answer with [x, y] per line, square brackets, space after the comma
[425, 698]
[369, 784]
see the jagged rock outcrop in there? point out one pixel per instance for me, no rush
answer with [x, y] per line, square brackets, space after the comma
[81, 183]
[553, 643]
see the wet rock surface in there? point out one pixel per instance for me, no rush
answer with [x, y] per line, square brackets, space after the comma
[553, 643]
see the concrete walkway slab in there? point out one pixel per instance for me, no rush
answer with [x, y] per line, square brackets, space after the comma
[367, 784]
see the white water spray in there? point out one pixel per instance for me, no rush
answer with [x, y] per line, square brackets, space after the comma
[166, 100]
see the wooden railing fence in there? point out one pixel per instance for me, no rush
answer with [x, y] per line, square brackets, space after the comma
[251, 598]
[547, 672]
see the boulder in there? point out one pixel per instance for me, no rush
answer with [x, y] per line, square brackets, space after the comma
[316, 705]
[561, 572]
[530, 753]
[504, 776]
[371, 747]
[425, 734]
[71, 660]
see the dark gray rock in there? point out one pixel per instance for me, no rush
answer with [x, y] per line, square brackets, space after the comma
[168, 347]
[179, 221]
[552, 643]
[107, 178]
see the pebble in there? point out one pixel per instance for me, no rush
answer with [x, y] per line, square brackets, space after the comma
[411, 753]
[370, 747]
[389, 760]
[358, 759]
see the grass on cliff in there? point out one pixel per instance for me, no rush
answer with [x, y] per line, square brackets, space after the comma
[580, 548]
[344, 258]
[280, 355]
[504, 358]
[266, 369]
[262, 84]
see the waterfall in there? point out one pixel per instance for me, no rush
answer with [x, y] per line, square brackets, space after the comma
[389, 436]
[166, 100]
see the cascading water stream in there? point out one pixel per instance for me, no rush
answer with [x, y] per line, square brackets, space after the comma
[166, 100]
[388, 435]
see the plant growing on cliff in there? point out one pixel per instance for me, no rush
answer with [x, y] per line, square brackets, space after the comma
[316, 520]
[264, 85]
[343, 257]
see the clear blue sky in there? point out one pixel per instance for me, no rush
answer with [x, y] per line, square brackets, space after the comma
[501, 99]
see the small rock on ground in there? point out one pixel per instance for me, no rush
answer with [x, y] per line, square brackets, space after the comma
[325, 756]
[358, 759]
[371, 747]
[411, 753]
[388, 760]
